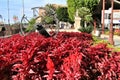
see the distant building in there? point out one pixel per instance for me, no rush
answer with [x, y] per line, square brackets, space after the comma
[107, 19]
[41, 11]
[58, 5]
[38, 12]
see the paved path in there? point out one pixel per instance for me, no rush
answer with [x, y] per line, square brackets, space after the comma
[116, 39]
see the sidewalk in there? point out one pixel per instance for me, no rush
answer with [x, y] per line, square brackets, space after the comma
[115, 38]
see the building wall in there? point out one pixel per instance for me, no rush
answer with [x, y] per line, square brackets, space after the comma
[116, 18]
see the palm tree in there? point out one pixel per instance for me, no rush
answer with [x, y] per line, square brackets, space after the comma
[85, 15]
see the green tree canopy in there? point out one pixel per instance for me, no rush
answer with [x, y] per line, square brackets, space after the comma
[85, 14]
[73, 5]
[90, 4]
[49, 14]
[31, 25]
[48, 20]
[71, 8]
[62, 14]
[50, 9]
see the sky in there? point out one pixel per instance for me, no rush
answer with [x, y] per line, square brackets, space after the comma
[16, 7]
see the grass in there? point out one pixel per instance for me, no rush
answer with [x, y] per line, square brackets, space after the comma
[98, 40]
[115, 32]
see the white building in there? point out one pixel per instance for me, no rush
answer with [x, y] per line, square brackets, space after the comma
[107, 19]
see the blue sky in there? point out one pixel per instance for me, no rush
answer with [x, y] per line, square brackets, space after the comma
[16, 9]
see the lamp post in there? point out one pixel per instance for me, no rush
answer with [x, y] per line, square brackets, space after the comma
[10, 32]
[8, 12]
[103, 15]
[111, 34]
[23, 6]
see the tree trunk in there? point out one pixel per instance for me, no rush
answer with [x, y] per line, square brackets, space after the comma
[94, 26]
[111, 25]
[103, 14]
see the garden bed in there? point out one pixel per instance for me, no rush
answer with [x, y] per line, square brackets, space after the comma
[70, 56]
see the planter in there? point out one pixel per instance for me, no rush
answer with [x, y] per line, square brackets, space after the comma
[97, 33]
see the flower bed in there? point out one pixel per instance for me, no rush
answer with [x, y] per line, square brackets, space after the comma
[70, 56]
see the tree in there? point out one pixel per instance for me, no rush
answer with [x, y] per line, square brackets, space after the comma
[62, 14]
[71, 8]
[49, 14]
[90, 4]
[48, 20]
[31, 25]
[86, 19]
[50, 9]
[74, 5]
[86, 16]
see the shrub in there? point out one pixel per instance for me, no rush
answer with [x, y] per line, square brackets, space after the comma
[69, 56]
[88, 29]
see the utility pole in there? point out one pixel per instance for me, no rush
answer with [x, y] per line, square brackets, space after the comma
[111, 25]
[10, 32]
[23, 6]
[103, 16]
[8, 12]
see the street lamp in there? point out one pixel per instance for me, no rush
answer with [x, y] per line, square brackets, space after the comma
[8, 13]
[111, 25]
[23, 6]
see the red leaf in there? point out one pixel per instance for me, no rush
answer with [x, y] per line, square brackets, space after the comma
[50, 67]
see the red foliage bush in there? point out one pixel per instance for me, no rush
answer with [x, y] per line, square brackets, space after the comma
[70, 56]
